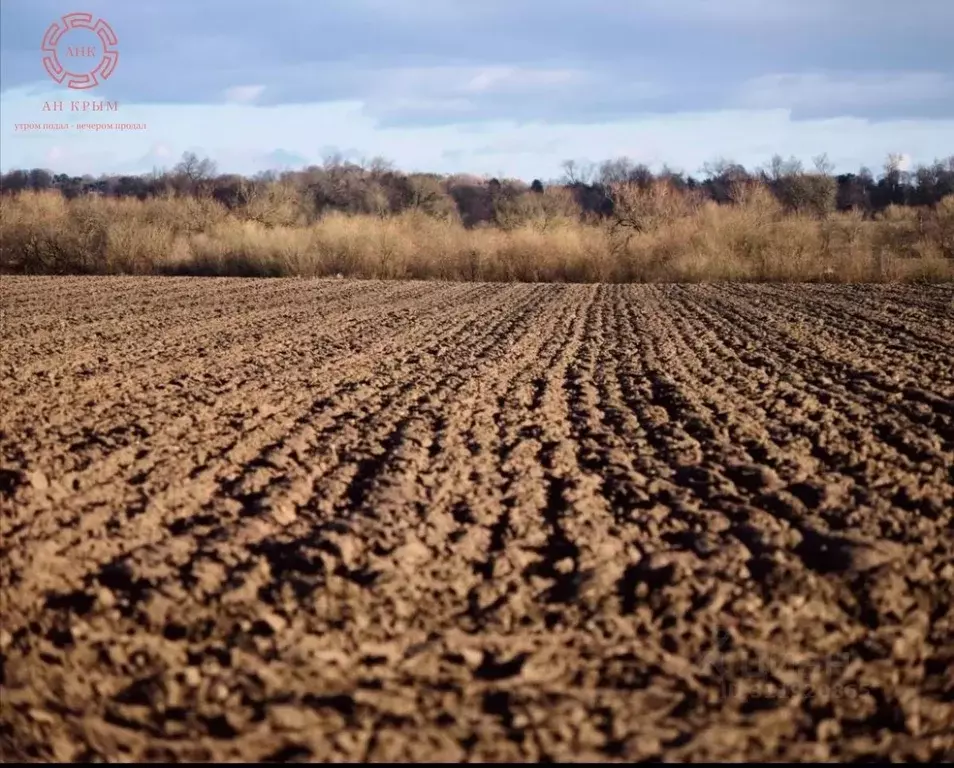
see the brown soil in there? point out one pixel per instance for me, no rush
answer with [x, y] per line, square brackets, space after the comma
[301, 519]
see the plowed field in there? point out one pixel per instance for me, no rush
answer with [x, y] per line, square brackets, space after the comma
[313, 519]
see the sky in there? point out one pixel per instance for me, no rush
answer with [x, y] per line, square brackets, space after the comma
[509, 88]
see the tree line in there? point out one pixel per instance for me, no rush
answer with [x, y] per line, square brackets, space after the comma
[376, 187]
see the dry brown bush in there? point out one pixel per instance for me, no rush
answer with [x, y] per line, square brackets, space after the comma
[655, 233]
[554, 207]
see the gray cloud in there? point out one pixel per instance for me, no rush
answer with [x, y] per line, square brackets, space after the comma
[816, 94]
[413, 62]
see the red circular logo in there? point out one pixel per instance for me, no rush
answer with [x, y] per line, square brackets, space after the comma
[107, 60]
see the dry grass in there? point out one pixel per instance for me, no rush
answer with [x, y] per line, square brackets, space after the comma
[655, 236]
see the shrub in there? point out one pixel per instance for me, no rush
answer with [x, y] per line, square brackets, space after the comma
[655, 232]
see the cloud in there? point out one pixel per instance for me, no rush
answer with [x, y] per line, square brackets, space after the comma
[451, 95]
[735, 12]
[161, 151]
[281, 159]
[537, 81]
[243, 94]
[533, 60]
[251, 137]
[818, 94]
[519, 80]
[159, 155]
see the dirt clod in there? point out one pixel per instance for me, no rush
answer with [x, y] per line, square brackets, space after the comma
[356, 520]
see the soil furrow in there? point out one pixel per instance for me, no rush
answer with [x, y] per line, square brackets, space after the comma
[361, 520]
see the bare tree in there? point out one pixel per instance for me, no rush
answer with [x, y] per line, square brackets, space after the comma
[893, 163]
[195, 169]
[823, 165]
[722, 168]
[779, 168]
[378, 166]
[551, 207]
[575, 172]
[427, 193]
[193, 175]
[617, 171]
